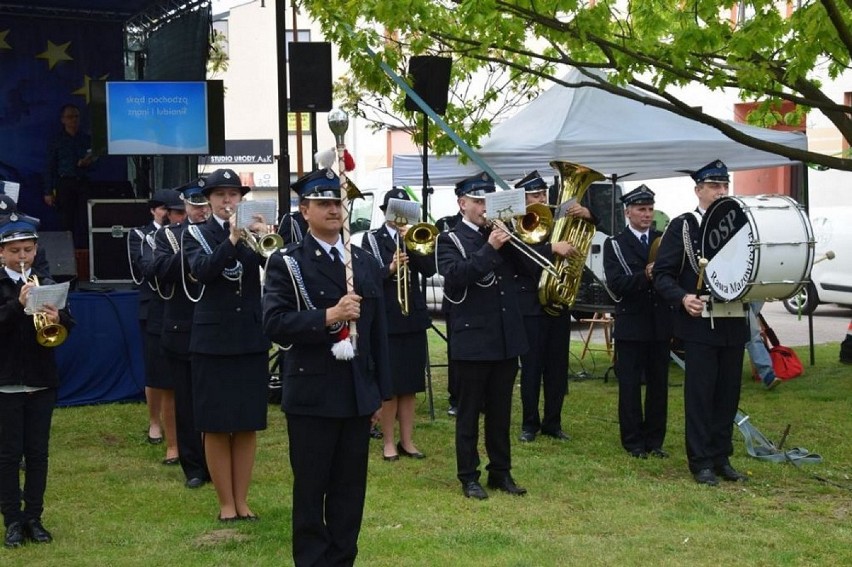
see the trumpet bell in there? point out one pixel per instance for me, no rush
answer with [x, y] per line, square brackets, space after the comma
[420, 239]
[48, 334]
[535, 226]
[269, 243]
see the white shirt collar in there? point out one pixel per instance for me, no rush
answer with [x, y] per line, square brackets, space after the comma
[327, 247]
[15, 276]
[470, 224]
[639, 234]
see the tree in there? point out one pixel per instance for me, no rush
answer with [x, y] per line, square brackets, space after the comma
[759, 51]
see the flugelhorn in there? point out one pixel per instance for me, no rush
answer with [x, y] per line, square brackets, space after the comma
[264, 244]
[47, 334]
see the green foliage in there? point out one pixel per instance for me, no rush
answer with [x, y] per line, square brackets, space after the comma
[110, 502]
[649, 44]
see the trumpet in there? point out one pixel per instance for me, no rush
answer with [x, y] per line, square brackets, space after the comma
[419, 239]
[264, 244]
[403, 276]
[47, 334]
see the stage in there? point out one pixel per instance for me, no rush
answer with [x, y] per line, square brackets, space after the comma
[101, 361]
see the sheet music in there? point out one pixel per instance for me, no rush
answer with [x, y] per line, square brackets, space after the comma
[504, 205]
[11, 189]
[562, 209]
[53, 294]
[403, 212]
[267, 208]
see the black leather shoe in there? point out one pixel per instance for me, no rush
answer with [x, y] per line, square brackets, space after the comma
[527, 436]
[413, 455]
[560, 435]
[171, 461]
[659, 453]
[506, 484]
[706, 476]
[37, 533]
[195, 482]
[638, 454]
[376, 433]
[453, 411]
[729, 473]
[474, 490]
[15, 535]
[155, 440]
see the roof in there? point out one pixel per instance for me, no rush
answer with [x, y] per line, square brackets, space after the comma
[121, 10]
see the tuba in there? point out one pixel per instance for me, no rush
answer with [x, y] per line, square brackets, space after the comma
[553, 292]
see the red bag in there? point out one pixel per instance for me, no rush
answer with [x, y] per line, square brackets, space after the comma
[785, 362]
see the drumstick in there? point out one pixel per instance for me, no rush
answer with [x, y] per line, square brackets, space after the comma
[702, 263]
[827, 256]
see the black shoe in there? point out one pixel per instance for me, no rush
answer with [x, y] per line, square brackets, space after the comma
[376, 433]
[15, 535]
[558, 434]
[155, 440]
[474, 490]
[453, 411]
[390, 457]
[638, 454]
[729, 473]
[659, 453]
[414, 455]
[706, 476]
[37, 533]
[527, 436]
[249, 518]
[194, 482]
[171, 461]
[506, 484]
[228, 520]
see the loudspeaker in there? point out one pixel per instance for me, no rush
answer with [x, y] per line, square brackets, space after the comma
[59, 249]
[310, 76]
[431, 77]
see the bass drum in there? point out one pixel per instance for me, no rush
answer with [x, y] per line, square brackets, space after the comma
[758, 247]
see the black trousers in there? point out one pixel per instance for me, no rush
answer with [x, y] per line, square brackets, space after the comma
[72, 197]
[484, 385]
[329, 461]
[189, 440]
[24, 432]
[545, 362]
[711, 394]
[642, 426]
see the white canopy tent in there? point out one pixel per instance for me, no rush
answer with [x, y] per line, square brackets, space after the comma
[611, 134]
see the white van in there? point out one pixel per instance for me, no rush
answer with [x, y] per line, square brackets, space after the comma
[831, 280]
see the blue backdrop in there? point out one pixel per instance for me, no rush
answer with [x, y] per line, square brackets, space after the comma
[45, 64]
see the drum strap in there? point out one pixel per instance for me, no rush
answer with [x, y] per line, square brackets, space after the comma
[374, 246]
[759, 447]
[687, 241]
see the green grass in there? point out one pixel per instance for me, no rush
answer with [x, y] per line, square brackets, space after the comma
[111, 502]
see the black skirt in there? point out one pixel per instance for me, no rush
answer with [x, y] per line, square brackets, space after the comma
[230, 392]
[407, 354]
[157, 374]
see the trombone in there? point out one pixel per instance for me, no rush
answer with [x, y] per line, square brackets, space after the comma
[403, 276]
[533, 227]
[47, 334]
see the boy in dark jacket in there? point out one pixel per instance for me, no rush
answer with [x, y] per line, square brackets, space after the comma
[28, 386]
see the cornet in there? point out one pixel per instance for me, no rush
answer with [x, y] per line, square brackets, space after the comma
[264, 244]
[47, 334]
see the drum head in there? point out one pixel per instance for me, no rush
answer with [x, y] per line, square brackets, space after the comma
[726, 242]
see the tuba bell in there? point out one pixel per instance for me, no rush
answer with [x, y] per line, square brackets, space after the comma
[556, 292]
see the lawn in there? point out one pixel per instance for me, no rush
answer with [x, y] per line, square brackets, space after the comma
[111, 502]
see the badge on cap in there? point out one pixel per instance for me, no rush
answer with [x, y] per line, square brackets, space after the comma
[3, 205]
[329, 174]
[226, 174]
[13, 217]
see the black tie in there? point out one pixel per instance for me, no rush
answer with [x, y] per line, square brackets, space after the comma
[335, 255]
[227, 226]
[339, 268]
[644, 240]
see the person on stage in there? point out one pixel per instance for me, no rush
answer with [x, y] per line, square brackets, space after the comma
[329, 400]
[714, 348]
[643, 329]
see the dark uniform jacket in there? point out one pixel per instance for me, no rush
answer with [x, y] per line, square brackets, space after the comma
[487, 323]
[135, 248]
[24, 361]
[313, 381]
[675, 276]
[172, 271]
[418, 318]
[640, 313]
[157, 302]
[228, 318]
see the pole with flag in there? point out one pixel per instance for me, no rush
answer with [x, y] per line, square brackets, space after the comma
[338, 122]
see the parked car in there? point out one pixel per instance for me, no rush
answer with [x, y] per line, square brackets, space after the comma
[831, 280]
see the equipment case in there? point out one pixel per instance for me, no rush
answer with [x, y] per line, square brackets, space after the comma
[109, 222]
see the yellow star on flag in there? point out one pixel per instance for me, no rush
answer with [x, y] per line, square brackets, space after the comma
[55, 53]
[84, 90]
[3, 43]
